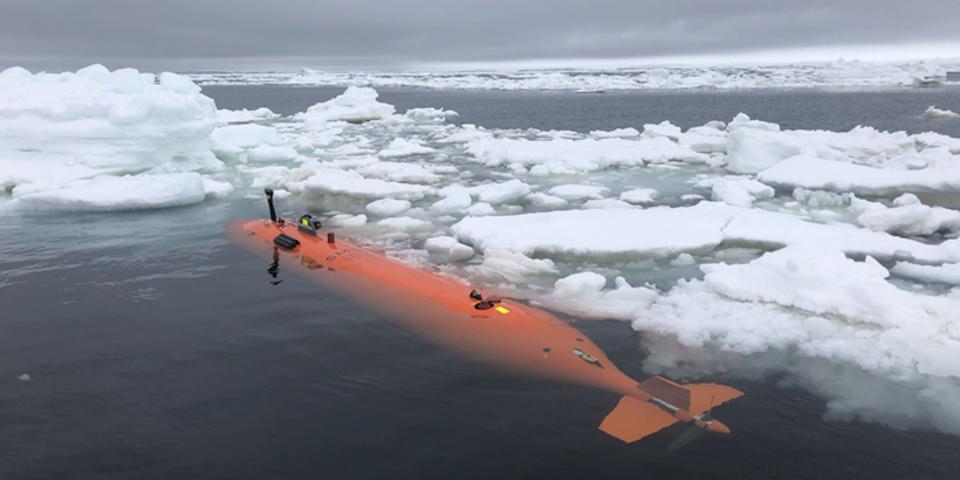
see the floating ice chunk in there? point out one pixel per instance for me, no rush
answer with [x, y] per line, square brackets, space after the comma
[934, 112]
[456, 199]
[270, 153]
[740, 192]
[683, 260]
[815, 173]
[948, 273]
[578, 192]
[583, 294]
[750, 150]
[399, 171]
[761, 227]
[545, 201]
[907, 216]
[24, 377]
[817, 281]
[821, 198]
[225, 116]
[606, 203]
[429, 115]
[347, 220]
[705, 139]
[654, 232]
[566, 156]
[109, 193]
[742, 120]
[59, 128]
[665, 232]
[819, 302]
[273, 176]
[616, 133]
[332, 181]
[480, 209]
[355, 105]
[464, 134]
[402, 147]
[215, 188]
[387, 207]
[662, 129]
[233, 140]
[513, 267]
[445, 249]
[497, 193]
[406, 224]
[639, 196]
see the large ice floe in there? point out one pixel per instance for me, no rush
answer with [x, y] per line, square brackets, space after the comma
[103, 140]
[733, 247]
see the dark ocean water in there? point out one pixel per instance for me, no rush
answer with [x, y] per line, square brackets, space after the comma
[157, 349]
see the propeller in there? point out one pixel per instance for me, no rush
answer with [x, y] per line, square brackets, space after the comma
[693, 431]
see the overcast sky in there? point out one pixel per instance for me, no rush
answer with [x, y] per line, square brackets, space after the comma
[216, 34]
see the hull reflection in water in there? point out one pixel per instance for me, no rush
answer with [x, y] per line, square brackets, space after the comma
[499, 331]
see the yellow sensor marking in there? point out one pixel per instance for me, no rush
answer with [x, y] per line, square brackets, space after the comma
[501, 309]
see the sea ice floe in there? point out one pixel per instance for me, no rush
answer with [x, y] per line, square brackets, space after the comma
[63, 135]
[583, 294]
[819, 174]
[445, 249]
[639, 196]
[387, 207]
[340, 182]
[664, 232]
[355, 105]
[225, 116]
[740, 192]
[818, 304]
[130, 192]
[566, 156]
[907, 216]
[578, 192]
[402, 147]
[948, 273]
[934, 112]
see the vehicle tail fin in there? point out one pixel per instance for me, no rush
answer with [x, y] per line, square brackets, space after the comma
[695, 398]
[633, 419]
[705, 396]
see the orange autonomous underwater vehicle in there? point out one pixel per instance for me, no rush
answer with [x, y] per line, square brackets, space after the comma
[492, 329]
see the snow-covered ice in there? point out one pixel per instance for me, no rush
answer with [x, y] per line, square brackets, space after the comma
[73, 138]
[934, 112]
[818, 174]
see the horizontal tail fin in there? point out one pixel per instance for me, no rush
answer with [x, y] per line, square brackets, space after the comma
[695, 398]
[633, 419]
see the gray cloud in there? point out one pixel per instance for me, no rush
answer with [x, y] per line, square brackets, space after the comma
[224, 33]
